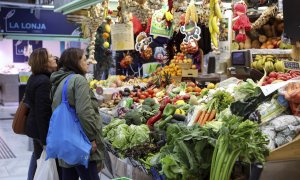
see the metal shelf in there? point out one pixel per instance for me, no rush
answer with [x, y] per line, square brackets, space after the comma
[75, 5]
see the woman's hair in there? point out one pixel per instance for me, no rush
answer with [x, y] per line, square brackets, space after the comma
[70, 60]
[38, 61]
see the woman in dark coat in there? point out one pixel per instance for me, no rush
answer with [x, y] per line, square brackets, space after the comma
[37, 97]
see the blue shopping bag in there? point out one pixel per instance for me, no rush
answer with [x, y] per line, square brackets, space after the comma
[66, 139]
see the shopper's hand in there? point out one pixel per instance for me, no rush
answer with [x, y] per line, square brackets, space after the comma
[94, 146]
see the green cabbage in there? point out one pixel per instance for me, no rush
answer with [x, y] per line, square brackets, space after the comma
[121, 137]
[138, 135]
[112, 125]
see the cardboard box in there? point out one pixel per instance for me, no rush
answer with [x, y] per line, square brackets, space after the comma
[190, 73]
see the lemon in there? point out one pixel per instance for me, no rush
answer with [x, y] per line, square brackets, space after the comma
[106, 44]
[107, 28]
[211, 86]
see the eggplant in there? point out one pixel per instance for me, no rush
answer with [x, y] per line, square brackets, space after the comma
[179, 117]
[127, 90]
[126, 94]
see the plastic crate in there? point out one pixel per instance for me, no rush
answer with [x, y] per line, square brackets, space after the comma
[122, 178]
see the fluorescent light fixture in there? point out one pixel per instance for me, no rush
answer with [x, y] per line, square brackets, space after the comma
[48, 6]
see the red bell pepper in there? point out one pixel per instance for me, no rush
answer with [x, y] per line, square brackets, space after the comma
[153, 119]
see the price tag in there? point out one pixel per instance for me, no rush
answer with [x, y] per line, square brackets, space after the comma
[291, 65]
[269, 89]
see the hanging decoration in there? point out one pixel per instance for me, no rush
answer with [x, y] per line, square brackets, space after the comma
[204, 12]
[265, 17]
[213, 22]
[126, 61]
[160, 54]
[190, 47]
[241, 21]
[142, 45]
[136, 8]
[191, 32]
[90, 26]
[162, 23]
[155, 4]
[106, 34]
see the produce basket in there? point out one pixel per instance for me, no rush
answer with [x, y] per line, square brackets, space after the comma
[177, 78]
[138, 165]
[110, 149]
[185, 65]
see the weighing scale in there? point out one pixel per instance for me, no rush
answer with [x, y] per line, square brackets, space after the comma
[240, 64]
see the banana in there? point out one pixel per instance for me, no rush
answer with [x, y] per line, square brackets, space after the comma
[269, 67]
[210, 26]
[214, 39]
[218, 10]
[279, 66]
[259, 65]
[191, 13]
[214, 24]
[254, 65]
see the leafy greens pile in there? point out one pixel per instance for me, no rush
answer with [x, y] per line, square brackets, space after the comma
[123, 136]
[187, 154]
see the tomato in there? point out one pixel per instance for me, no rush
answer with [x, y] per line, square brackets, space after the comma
[146, 93]
[273, 75]
[271, 80]
[284, 78]
[150, 91]
[264, 83]
[142, 96]
[289, 77]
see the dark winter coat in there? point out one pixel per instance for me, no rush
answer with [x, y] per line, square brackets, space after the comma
[37, 96]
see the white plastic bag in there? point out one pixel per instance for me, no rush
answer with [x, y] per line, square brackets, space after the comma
[46, 170]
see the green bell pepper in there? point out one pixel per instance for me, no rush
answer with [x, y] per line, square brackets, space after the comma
[169, 110]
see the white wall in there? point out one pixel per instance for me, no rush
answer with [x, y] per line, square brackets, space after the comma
[6, 51]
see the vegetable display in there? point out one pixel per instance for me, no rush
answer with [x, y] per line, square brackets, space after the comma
[237, 138]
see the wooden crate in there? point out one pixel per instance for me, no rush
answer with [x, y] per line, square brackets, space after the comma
[177, 78]
[289, 151]
[185, 65]
[190, 73]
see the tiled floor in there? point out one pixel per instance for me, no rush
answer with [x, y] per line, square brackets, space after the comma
[15, 168]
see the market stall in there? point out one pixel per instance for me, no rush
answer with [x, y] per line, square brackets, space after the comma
[204, 90]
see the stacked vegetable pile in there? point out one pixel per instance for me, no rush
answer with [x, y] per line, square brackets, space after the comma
[191, 135]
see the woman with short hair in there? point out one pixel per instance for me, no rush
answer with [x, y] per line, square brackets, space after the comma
[37, 97]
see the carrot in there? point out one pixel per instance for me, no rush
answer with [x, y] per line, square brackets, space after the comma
[205, 118]
[212, 115]
[197, 117]
[201, 117]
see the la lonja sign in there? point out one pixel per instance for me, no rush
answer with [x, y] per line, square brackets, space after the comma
[27, 21]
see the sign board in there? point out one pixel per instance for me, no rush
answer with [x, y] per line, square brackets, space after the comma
[122, 37]
[23, 49]
[28, 21]
[159, 25]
